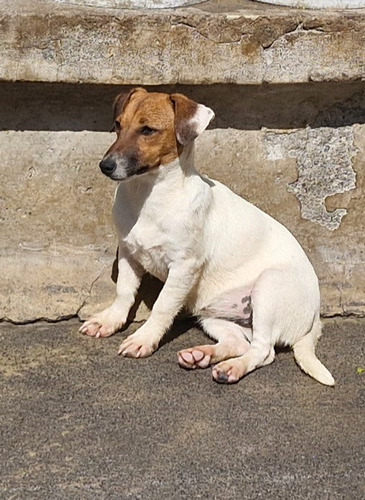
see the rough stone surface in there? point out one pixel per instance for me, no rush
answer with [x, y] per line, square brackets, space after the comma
[131, 4]
[59, 246]
[318, 4]
[56, 241]
[77, 421]
[325, 165]
[224, 42]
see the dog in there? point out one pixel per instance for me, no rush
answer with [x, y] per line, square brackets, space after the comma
[238, 270]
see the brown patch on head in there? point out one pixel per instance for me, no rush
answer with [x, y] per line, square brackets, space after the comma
[185, 110]
[120, 103]
[152, 129]
[144, 123]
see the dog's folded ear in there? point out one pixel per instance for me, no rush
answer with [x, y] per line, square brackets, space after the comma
[191, 118]
[121, 101]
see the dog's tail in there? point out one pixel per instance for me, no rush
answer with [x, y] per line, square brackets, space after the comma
[307, 360]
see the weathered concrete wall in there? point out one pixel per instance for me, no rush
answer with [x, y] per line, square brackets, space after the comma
[289, 135]
[296, 151]
[221, 41]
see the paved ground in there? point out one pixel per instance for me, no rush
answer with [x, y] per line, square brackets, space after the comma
[78, 422]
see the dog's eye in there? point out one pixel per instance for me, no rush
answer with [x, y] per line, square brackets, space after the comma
[117, 126]
[147, 130]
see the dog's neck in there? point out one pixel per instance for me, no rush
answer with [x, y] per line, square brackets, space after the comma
[187, 160]
[180, 168]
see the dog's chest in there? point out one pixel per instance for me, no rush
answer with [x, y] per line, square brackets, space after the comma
[151, 249]
[160, 229]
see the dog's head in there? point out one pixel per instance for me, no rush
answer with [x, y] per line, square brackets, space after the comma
[152, 130]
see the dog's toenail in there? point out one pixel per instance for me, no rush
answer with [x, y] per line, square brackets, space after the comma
[222, 378]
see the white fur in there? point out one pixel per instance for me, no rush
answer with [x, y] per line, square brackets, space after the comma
[204, 241]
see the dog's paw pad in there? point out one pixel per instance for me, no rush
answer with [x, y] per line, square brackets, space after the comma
[186, 357]
[194, 358]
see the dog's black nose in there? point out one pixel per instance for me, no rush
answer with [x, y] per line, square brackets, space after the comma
[107, 166]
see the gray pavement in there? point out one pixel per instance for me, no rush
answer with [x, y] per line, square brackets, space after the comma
[79, 422]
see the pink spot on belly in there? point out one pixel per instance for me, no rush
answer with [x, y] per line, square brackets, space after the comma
[234, 305]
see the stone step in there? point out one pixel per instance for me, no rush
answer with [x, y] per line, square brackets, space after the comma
[228, 41]
[295, 147]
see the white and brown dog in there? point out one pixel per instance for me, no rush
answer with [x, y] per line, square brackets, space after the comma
[237, 269]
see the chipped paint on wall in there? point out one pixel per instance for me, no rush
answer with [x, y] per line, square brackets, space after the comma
[324, 159]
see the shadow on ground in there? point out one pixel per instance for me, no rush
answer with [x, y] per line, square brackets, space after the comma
[77, 421]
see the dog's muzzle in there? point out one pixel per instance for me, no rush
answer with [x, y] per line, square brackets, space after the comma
[119, 167]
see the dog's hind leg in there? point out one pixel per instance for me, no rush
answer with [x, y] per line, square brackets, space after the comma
[232, 340]
[233, 369]
[266, 316]
[284, 303]
[260, 353]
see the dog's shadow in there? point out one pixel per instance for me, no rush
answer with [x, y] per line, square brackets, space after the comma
[148, 292]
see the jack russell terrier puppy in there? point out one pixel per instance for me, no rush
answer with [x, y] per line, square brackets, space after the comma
[237, 269]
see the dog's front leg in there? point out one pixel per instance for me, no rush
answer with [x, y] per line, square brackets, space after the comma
[113, 318]
[181, 278]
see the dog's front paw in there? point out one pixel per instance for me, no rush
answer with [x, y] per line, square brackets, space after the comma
[137, 345]
[103, 324]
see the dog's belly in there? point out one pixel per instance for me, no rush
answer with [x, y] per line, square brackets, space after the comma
[233, 305]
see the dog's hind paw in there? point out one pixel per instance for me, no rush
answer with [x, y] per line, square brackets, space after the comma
[228, 372]
[196, 357]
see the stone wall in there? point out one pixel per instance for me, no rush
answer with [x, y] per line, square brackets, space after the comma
[294, 147]
[295, 151]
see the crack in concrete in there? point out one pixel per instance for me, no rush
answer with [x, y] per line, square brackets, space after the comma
[66, 318]
[251, 32]
[84, 302]
[41, 319]
[300, 28]
[206, 37]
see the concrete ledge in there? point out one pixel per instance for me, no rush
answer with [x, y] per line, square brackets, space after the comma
[215, 42]
[303, 164]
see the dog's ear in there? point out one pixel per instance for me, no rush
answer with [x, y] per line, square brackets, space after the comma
[191, 118]
[121, 101]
